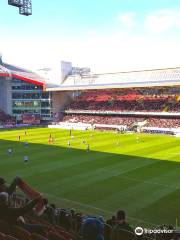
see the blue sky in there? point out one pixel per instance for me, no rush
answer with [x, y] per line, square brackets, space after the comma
[106, 35]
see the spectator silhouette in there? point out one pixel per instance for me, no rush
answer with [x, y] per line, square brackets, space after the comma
[122, 230]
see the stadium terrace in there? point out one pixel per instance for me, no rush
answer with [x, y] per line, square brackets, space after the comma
[75, 95]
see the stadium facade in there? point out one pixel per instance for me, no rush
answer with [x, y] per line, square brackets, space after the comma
[23, 92]
[45, 94]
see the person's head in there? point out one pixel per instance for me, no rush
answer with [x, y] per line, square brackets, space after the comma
[2, 181]
[92, 229]
[72, 212]
[45, 201]
[121, 215]
[2, 185]
[53, 206]
[3, 199]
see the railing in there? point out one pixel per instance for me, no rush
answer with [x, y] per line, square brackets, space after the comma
[170, 114]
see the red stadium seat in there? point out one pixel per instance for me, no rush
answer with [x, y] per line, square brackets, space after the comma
[123, 234]
[55, 236]
[2, 236]
[21, 233]
[8, 237]
[36, 236]
[65, 234]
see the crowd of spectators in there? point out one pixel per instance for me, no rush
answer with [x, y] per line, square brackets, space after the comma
[6, 119]
[126, 121]
[56, 223]
[80, 226]
[127, 100]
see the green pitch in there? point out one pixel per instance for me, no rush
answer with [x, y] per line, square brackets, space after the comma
[136, 172]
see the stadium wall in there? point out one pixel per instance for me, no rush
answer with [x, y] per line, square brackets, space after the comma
[60, 100]
[5, 96]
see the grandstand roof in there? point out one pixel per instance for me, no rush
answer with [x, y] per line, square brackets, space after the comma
[8, 70]
[145, 78]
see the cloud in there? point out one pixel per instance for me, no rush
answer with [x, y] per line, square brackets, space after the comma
[162, 20]
[118, 50]
[127, 19]
[107, 53]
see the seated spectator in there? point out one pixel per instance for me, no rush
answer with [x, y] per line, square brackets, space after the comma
[14, 216]
[78, 222]
[111, 221]
[10, 214]
[11, 188]
[73, 219]
[107, 231]
[64, 219]
[49, 212]
[28, 190]
[92, 229]
[121, 226]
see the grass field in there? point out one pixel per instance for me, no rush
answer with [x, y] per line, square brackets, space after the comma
[120, 172]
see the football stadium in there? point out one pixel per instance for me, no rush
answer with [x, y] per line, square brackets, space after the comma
[94, 144]
[88, 155]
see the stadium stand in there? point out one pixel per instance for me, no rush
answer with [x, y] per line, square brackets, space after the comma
[114, 120]
[155, 107]
[65, 224]
[21, 233]
[8, 237]
[6, 119]
[128, 100]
